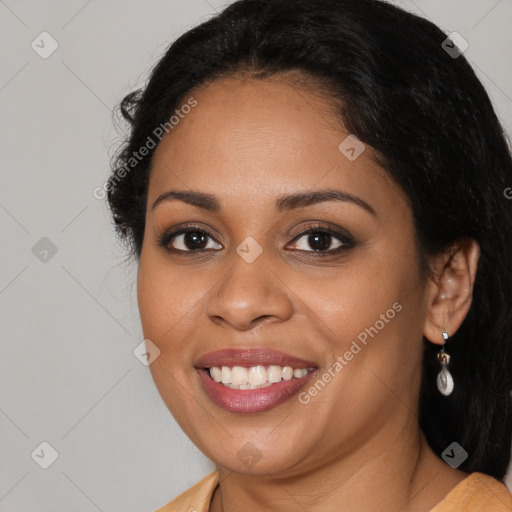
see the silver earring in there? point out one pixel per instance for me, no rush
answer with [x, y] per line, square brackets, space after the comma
[444, 377]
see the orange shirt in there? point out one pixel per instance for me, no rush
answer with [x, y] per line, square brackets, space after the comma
[476, 493]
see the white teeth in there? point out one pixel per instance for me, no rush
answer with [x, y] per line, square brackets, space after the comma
[274, 373]
[226, 375]
[239, 377]
[248, 386]
[216, 374]
[257, 375]
[287, 373]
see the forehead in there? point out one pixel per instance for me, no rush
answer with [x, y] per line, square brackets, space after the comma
[263, 138]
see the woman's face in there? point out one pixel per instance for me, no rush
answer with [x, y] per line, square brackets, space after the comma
[350, 304]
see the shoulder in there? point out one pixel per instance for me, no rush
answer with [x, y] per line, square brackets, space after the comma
[477, 491]
[196, 498]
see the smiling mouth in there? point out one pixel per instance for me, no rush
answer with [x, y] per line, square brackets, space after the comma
[254, 377]
[246, 380]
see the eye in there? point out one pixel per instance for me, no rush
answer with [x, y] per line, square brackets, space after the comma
[189, 239]
[323, 240]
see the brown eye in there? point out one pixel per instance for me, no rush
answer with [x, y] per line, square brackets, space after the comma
[322, 240]
[189, 240]
[318, 242]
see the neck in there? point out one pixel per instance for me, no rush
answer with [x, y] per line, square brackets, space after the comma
[383, 476]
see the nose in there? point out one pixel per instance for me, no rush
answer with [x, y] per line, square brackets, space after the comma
[249, 295]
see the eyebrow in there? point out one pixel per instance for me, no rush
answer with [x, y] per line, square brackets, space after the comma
[284, 202]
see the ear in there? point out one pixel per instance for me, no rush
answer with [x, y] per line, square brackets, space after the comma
[450, 289]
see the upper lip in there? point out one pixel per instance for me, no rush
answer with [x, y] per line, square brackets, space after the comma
[251, 357]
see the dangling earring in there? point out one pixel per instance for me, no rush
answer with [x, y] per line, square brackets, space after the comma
[444, 377]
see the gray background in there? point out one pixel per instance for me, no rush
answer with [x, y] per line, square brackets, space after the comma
[69, 320]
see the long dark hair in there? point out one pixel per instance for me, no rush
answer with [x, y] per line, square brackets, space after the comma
[435, 132]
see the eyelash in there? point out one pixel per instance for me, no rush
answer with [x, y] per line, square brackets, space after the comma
[346, 240]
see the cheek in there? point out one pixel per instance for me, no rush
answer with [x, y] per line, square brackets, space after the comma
[351, 298]
[371, 318]
[168, 301]
[168, 298]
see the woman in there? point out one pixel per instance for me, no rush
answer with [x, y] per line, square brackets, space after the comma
[315, 193]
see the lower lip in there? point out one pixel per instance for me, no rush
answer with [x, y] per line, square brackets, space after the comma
[247, 401]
